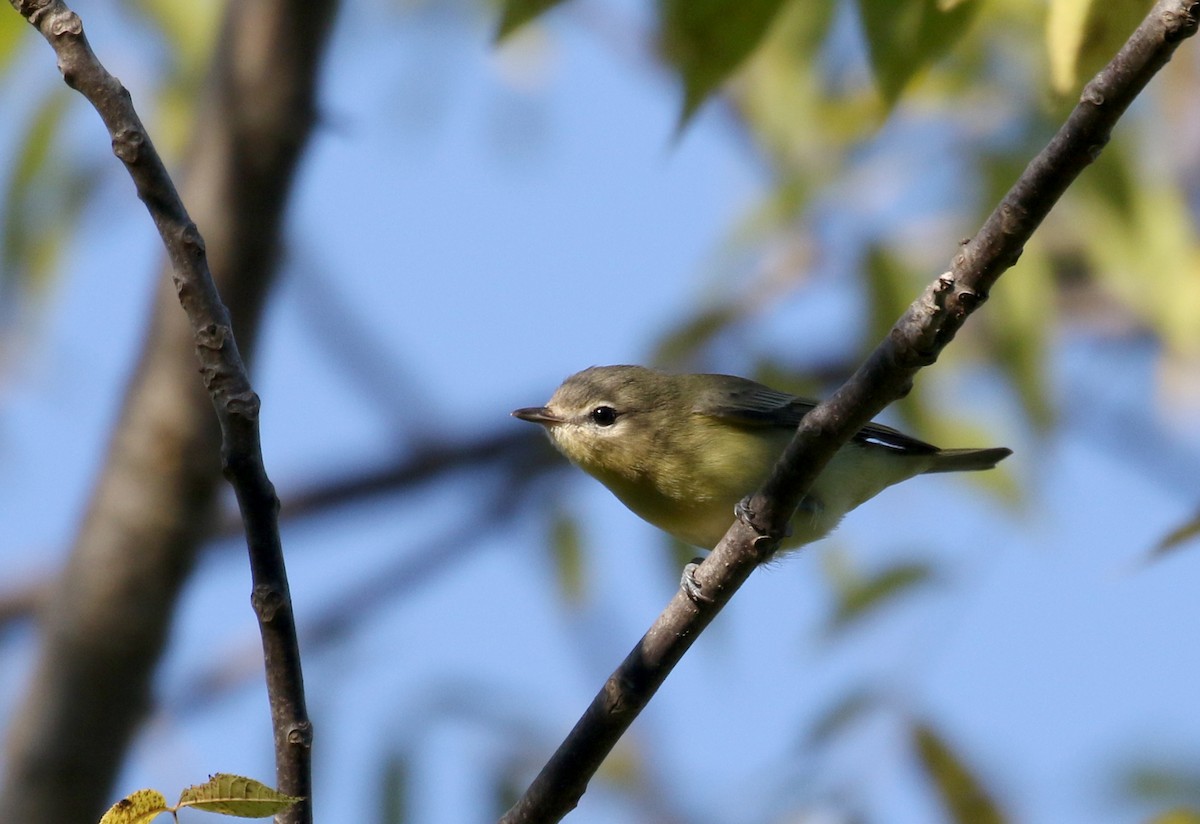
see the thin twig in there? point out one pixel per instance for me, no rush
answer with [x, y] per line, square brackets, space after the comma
[914, 342]
[224, 375]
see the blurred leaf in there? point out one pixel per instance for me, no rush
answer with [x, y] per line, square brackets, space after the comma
[904, 36]
[12, 29]
[1020, 318]
[806, 384]
[892, 286]
[1143, 248]
[393, 797]
[1066, 22]
[566, 544]
[1018, 331]
[1179, 535]
[33, 215]
[1083, 35]
[845, 711]
[516, 13]
[680, 345]
[860, 594]
[189, 31]
[508, 787]
[784, 96]
[1112, 180]
[1164, 784]
[706, 40]
[623, 767]
[1178, 815]
[961, 792]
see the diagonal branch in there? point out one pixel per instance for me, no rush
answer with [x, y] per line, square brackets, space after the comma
[108, 616]
[914, 342]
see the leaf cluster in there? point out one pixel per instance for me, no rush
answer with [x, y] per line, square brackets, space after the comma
[223, 793]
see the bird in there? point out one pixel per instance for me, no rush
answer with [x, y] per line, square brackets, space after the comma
[681, 450]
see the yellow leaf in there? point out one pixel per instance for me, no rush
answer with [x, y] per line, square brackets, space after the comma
[1083, 35]
[12, 29]
[1179, 815]
[1065, 23]
[136, 808]
[237, 796]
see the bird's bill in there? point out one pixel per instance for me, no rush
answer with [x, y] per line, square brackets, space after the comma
[537, 414]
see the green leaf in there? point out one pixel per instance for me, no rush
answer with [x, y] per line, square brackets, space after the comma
[892, 286]
[1163, 784]
[961, 792]
[516, 13]
[1142, 247]
[1018, 324]
[34, 213]
[860, 594]
[706, 40]
[681, 344]
[237, 796]
[904, 36]
[566, 543]
[844, 712]
[1178, 536]
[136, 808]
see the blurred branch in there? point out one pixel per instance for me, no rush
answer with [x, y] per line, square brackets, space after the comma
[108, 617]
[915, 341]
[520, 456]
[21, 602]
[511, 451]
[412, 568]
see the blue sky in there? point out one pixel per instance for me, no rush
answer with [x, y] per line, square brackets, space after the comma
[496, 222]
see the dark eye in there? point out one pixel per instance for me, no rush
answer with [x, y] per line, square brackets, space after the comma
[604, 416]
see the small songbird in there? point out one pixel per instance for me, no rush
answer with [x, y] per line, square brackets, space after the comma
[682, 450]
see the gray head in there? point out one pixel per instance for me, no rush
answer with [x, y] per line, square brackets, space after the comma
[602, 417]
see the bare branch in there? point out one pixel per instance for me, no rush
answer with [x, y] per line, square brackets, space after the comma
[104, 633]
[914, 342]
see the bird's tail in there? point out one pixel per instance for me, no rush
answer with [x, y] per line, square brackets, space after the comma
[968, 460]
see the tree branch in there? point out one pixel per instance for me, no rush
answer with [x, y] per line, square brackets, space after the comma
[914, 342]
[105, 631]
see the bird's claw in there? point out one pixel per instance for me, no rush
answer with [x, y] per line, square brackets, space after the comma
[691, 587]
[766, 541]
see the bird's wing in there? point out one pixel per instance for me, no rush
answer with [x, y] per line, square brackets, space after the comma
[749, 403]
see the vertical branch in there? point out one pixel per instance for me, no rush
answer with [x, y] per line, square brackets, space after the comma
[257, 149]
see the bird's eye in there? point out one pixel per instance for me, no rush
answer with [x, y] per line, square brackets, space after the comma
[604, 416]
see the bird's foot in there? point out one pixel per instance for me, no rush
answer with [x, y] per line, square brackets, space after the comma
[691, 587]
